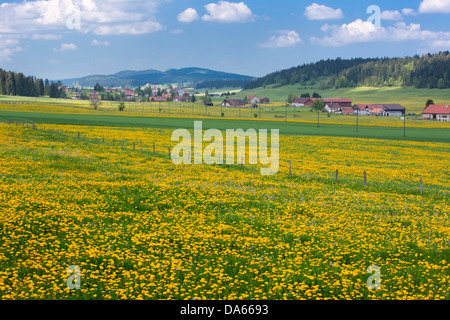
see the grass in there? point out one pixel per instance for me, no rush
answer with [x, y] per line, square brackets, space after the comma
[287, 128]
[140, 227]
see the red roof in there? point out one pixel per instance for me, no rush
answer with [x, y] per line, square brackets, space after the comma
[347, 110]
[437, 109]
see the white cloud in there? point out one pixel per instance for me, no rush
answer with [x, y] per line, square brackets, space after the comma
[100, 43]
[434, 6]
[441, 44]
[46, 16]
[391, 15]
[409, 12]
[189, 15]
[285, 39]
[46, 36]
[66, 47]
[360, 31]
[48, 19]
[135, 28]
[8, 47]
[321, 12]
[226, 12]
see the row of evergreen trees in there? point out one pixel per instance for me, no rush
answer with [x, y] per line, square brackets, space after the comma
[17, 84]
[427, 71]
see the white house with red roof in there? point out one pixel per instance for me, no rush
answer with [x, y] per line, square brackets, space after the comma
[438, 112]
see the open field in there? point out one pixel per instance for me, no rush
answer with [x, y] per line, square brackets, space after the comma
[274, 113]
[411, 98]
[140, 227]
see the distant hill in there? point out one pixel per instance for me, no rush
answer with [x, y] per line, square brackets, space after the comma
[130, 78]
[427, 71]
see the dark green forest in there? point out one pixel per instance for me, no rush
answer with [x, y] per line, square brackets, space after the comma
[17, 84]
[427, 71]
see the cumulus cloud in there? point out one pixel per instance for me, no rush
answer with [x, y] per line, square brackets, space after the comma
[98, 43]
[66, 47]
[321, 12]
[49, 19]
[284, 39]
[189, 15]
[226, 12]
[44, 16]
[391, 15]
[360, 31]
[434, 6]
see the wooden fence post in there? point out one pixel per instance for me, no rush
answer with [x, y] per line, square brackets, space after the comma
[421, 186]
[154, 148]
[123, 144]
[337, 175]
[134, 145]
[114, 142]
[365, 179]
[169, 151]
[290, 168]
[141, 144]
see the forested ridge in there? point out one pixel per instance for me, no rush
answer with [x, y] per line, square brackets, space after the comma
[427, 71]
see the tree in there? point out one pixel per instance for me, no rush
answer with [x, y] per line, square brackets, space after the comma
[318, 105]
[291, 97]
[193, 99]
[10, 84]
[305, 95]
[95, 103]
[429, 102]
[316, 95]
[54, 92]
[98, 88]
[121, 106]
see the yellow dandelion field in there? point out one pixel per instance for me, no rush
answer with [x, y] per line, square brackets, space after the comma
[140, 227]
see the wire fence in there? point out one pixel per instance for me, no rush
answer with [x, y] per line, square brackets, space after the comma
[153, 149]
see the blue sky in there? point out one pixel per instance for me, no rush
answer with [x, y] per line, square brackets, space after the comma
[59, 39]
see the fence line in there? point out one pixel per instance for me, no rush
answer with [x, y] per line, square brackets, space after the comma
[80, 135]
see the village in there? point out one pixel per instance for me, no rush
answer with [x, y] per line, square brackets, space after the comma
[338, 106]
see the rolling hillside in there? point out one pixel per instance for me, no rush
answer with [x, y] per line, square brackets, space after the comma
[141, 78]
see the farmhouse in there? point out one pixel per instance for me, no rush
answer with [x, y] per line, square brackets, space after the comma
[253, 100]
[264, 101]
[344, 103]
[438, 112]
[384, 110]
[362, 109]
[394, 110]
[237, 103]
[348, 111]
[334, 107]
[302, 102]
[183, 98]
[377, 110]
[159, 99]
